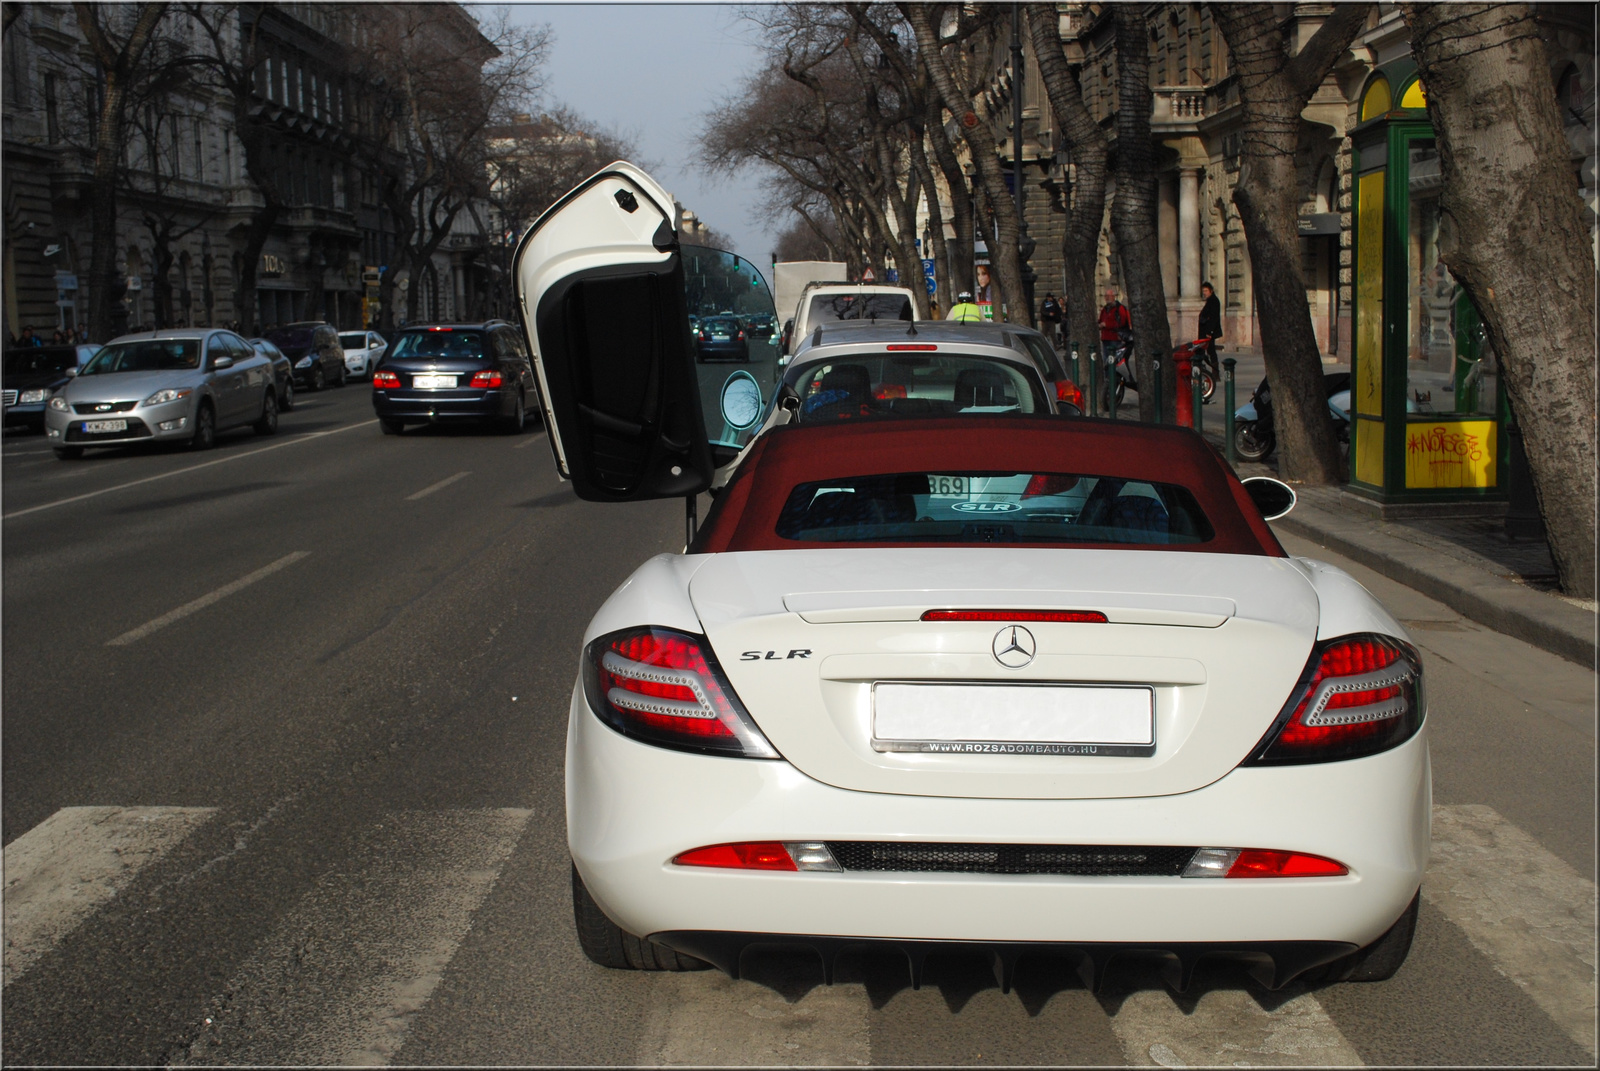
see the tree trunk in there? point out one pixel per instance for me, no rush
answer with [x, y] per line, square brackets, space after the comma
[961, 256]
[1004, 257]
[1520, 247]
[1133, 215]
[1268, 196]
[116, 67]
[935, 250]
[1087, 143]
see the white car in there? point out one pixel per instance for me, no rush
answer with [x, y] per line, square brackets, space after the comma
[870, 706]
[362, 351]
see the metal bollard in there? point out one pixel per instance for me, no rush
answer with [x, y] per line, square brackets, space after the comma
[1227, 408]
[1199, 400]
[1155, 377]
[1094, 383]
[1077, 371]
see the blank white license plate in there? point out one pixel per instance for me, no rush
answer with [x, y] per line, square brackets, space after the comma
[1013, 719]
[720, 338]
[426, 382]
[948, 486]
[100, 427]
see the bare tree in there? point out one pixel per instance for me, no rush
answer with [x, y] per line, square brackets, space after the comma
[1090, 150]
[118, 45]
[1133, 213]
[1517, 241]
[1274, 89]
[1004, 254]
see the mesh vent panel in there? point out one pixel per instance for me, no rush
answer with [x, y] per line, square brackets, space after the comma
[1085, 860]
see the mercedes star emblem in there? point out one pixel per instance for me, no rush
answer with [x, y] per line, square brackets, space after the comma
[1014, 647]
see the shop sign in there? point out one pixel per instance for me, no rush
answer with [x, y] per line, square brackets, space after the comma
[65, 280]
[272, 264]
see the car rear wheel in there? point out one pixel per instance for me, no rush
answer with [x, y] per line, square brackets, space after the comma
[69, 453]
[269, 416]
[609, 945]
[205, 428]
[342, 375]
[518, 419]
[391, 427]
[287, 402]
[319, 378]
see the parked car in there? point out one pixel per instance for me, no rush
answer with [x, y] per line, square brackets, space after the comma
[444, 372]
[722, 338]
[282, 372]
[32, 374]
[362, 351]
[182, 384]
[895, 706]
[314, 348]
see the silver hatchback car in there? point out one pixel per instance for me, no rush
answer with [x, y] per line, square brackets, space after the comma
[182, 384]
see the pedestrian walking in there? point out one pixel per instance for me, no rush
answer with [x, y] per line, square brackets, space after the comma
[1050, 316]
[1210, 326]
[1116, 324]
[964, 311]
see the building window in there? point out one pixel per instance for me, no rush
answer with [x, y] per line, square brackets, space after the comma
[52, 118]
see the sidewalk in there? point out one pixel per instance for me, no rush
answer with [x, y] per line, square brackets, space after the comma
[1467, 563]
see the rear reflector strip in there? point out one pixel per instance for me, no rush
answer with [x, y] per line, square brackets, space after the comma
[1260, 863]
[1059, 616]
[761, 855]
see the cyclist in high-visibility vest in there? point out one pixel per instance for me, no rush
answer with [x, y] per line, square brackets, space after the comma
[964, 311]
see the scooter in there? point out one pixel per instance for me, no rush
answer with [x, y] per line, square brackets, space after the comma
[1201, 357]
[1255, 437]
[1119, 374]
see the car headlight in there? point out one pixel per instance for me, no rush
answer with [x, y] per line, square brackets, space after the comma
[59, 404]
[304, 362]
[162, 397]
[30, 396]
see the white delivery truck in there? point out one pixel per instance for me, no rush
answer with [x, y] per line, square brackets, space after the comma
[789, 279]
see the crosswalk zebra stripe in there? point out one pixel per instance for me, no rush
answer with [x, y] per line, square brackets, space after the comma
[1231, 1027]
[1530, 913]
[343, 976]
[63, 869]
[706, 1018]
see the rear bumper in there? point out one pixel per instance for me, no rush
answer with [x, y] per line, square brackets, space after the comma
[429, 405]
[631, 807]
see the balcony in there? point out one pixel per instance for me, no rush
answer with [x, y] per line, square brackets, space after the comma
[1177, 109]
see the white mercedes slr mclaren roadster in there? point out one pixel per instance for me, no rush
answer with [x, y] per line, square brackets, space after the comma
[1027, 684]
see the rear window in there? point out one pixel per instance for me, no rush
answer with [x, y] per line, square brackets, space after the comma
[914, 384]
[826, 307]
[291, 338]
[437, 344]
[146, 355]
[992, 507]
[357, 341]
[35, 360]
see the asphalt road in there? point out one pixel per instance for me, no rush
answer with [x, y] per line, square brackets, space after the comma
[286, 721]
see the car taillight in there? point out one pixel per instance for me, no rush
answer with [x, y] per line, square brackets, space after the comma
[1358, 695]
[1067, 391]
[741, 335]
[1048, 483]
[664, 687]
[762, 855]
[1261, 863]
[487, 379]
[380, 380]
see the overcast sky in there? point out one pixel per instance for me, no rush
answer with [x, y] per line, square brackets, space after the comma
[651, 71]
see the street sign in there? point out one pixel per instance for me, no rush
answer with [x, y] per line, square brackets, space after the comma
[892, 275]
[867, 276]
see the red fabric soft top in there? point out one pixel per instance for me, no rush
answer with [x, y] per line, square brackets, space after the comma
[745, 515]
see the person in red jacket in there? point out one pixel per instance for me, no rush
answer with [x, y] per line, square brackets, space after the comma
[1115, 323]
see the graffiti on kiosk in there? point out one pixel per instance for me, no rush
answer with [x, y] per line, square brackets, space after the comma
[1444, 455]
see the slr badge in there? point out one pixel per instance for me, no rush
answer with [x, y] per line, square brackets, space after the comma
[1014, 647]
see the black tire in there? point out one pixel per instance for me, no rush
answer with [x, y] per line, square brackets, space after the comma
[1379, 961]
[269, 415]
[607, 944]
[391, 427]
[205, 428]
[518, 419]
[69, 453]
[1251, 442]
[319, 378]
[286, 403]
[343, 375]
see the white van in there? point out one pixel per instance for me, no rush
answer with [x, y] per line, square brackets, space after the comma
[832, 302]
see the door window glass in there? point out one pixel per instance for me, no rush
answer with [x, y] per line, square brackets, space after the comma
[735, 349]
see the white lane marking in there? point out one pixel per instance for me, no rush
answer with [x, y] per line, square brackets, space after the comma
[1229, 1027]
[528, 442]
[446, 482]
[62, 869]
[343, 976]
[180, 472]
[1527, 910]
[707, 1018]
[205, 600]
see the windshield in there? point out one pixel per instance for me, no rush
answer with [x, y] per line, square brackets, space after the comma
[146, 355]
[445, 342]
[858, 306]
[36, 360]
[992, 507]
[913, 384]
[357, 341]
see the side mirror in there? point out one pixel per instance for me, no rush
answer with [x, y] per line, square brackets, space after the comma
[1273, 498]
[1068, 409]
[72, 371]
[220, 363]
